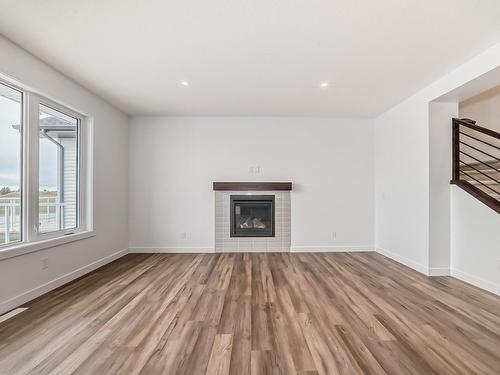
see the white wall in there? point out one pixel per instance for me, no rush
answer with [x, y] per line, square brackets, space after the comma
[484, 108]
[402, 184]
[440, 115]
[175, 160]
[475, 241]
[402, 167]
[22, 277]
[475, 228]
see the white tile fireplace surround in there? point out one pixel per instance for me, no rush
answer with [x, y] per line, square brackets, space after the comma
[281, 242]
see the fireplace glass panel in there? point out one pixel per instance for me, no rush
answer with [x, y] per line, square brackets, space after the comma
[252, 216]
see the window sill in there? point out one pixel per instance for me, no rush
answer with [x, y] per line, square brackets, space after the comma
[26, 248]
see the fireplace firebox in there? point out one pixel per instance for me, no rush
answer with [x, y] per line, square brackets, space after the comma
[252, 216]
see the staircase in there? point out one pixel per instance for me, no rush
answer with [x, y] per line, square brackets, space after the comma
[483, 177]
[476, 161]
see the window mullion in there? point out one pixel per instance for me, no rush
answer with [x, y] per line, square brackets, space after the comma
[31, 166]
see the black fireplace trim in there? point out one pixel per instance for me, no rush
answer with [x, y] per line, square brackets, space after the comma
[263, 198]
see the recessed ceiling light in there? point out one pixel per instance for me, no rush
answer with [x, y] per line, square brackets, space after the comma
[184, 83]
[324, 85]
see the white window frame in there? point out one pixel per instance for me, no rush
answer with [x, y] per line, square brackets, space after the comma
[32, 239]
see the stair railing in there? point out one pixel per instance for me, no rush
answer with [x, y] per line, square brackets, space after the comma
[476, 161]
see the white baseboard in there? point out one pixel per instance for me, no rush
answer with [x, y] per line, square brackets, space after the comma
[331, 249]
[439, 271]
[405, 261]
[53, 284]
[173, 250]
[476, 281]
[210, 249]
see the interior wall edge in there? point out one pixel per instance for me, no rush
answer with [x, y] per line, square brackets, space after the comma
[439, 271]
[405, 261]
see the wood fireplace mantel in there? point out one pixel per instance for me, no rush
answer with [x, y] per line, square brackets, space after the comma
[256, 186]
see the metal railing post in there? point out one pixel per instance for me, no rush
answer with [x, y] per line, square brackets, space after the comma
[455, 151]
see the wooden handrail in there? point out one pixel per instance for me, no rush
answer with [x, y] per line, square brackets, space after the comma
[480, 129]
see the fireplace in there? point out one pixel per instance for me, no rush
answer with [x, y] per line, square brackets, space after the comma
[252, 216]
[238, 203]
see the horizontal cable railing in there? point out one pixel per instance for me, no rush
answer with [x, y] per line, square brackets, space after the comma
[480, 140]
[476, 161]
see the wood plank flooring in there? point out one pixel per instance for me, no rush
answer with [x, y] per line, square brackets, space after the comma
[256, 314]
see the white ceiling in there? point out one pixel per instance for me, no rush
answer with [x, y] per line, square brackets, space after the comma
[251, 57]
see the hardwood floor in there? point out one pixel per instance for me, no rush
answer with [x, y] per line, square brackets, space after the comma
[256, 314]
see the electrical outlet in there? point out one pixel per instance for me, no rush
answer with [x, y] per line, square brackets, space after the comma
[45, 263]
[254, 169]
[184, 235]
[334, 235]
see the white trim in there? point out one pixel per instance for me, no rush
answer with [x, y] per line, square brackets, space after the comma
[86, 182]
[82, 184]
[172, 249]
[20, 85]
[331, 249]
[476, 281]
[245, 250]
[405, 261]
[211, 249]
[31, 155]
[30, 247]
[439, 271]
[56, 283]
[12, 313]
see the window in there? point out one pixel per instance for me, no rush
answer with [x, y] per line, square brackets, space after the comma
[57, 171]
[44, 177]
[10, 164]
